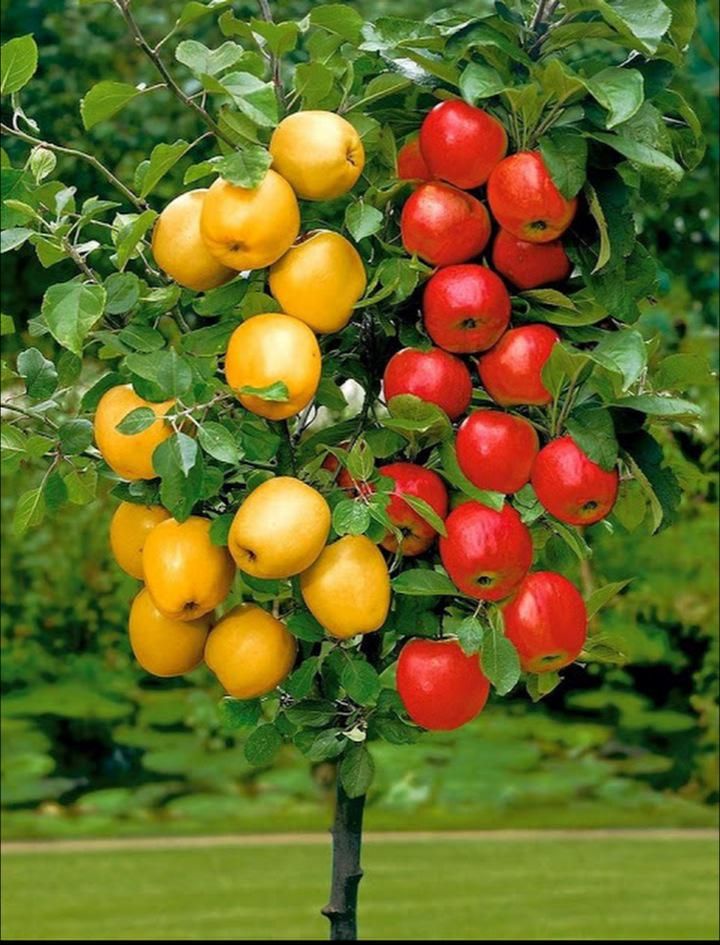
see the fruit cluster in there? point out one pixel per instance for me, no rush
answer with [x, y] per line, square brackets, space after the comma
[273, 365]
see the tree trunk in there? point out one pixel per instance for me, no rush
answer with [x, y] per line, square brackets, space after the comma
[346, 873]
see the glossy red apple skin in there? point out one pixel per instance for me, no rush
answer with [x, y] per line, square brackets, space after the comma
[461, 143]
[434, 376]
[496, 450]
[411, 163]
[486, 553]
[511, 372]
[546, 620]
[466, 308]
[440, 686]
[525, 201]
[444, 225]
[414, 480]
[529, 265]
[570, 486]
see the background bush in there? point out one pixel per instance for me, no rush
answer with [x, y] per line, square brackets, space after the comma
[92, 744]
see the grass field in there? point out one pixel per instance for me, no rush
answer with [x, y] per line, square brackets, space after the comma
[538, 887]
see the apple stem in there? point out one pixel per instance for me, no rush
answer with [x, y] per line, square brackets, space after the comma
[341, 910]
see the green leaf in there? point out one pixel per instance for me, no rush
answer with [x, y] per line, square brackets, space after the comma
[218, 442]
[658, 405]
[203, 61]
[313, 82]
[455, 476]
[55, 491]
[105, 100]
[162, 159]
[195, 9]
[620, 91]
[326, 745]
[644, 21]
[426, 512]
[596, 211]
[70, 309]
[360, 681]
[29, 511]
[38, 372]
[360, 462]
[338, 18]
[500, 661]
[19, 59]
[136, 421]
[14, 238]
[394, 730]
[280, 38]
[255, 99]
[678, 372]
[75, 436]
[479, 81]
[470, 633]
[92, 396]
[362, 220]
[299, 684]
[262, 745]
[624, 353]
[643, 156]
[645, 457]
[356, 771]
[178, 462]
[123, 294]
[246, 168]
[305, 627]
[7, 325]
[565, 154]
[540, 685]
[377, 88]
[276, 392]
[351, 517]
[421, 582]
[220, 529]
[42, 163]
[81, 486]
[593, 430]
[132, 234]
[239, 713]
[167, 369]
[603, 595]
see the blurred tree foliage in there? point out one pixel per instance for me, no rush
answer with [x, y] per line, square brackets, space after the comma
[95, 740]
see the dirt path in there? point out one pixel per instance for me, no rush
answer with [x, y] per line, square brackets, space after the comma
[322, 839]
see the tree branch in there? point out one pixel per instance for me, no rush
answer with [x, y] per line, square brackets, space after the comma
[341, 910]
[266, 14]
[154, 56]
[138, 202]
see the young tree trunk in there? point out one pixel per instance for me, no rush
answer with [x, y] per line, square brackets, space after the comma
[341, 910]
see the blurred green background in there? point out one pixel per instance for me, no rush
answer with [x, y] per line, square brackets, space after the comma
[93, 746]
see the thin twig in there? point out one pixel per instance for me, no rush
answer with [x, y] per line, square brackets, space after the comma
[138, 202]
[539, 12]
[266, 14]
[124, 7]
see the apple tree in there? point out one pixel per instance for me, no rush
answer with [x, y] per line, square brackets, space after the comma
[375, 390]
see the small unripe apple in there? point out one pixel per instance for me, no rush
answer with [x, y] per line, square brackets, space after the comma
[524, 199]
[465, 308]
[496, 450]
[486, 553]
[444, 225]
[546, 621]
[440, 686]
[413, 480]
[461, 143]
[511, 372]
[529, 265]
[433, 375]
[570, 485]
[411, 163]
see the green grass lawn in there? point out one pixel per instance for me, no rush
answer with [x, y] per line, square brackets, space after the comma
[544, 888]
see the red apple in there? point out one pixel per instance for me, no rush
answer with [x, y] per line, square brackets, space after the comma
[546, 620]
[524, 200]
[344, 479]
[529, 265]
[433, 375]
[486, 553]
[411, 163]
[572, 487]
[462, 144]
[511, 372]
[440, 686]
[443, 225]
[496, 450]
[465, 308]
[413, 480]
